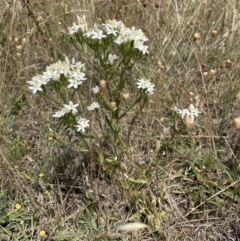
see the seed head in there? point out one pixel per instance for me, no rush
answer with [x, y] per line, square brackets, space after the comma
[236, 123]
[126, 96]
[214, 33]
[7, 5]
[196, 37]
[19, 48]
[24, 42]
[205, 74]
[228, 63]
[196, 100]
[212, 71]
[191, 93]
[18, 55]
[102, 84]
[189, 122]
[113, 104]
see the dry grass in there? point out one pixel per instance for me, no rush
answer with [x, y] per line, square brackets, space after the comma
[192, 190]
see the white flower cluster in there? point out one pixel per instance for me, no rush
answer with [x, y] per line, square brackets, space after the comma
[191, 112]
[111, 58]
[66, 109]
[113, 27]
[95, 33]
[93, 106]
[82, 123]
[124, 34]
[80, 26]
[117, 29]
[145, 85]
[72, 71]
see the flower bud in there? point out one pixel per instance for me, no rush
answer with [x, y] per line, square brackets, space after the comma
[103, 84]
[113, 104]
[212, 71]
[236, 123]
[24, 42]
[126, 96]
[196, 37]
[39, 19]
[19, 48]
[7, 6]
[197, 100]
[189, 122]
[205, 74]
[18, 55]
[228, 63]
[214, 33]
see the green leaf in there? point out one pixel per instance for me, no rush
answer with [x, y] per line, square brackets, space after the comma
[100, 155]
[140, 167]
[115, 127]
[140, 181]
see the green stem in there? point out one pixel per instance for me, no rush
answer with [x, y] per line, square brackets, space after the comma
[136, 101]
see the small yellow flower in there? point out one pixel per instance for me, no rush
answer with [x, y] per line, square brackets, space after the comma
[41, 175]
[42, 233]
[46, 191]
[18, 206]
[50, 138]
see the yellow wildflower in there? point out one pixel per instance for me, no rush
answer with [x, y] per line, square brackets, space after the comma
[42, 233]
[41, 175]
[18, 206]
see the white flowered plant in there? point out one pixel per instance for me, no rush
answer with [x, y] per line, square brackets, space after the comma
[93, 106]
[82, 124]
[113, 51]
[191, 112]
[145, 85]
